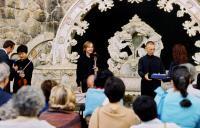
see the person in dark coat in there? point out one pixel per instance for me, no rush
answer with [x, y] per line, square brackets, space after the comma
[148, 65]
[8, 47]
[85, 66]
[24, 69]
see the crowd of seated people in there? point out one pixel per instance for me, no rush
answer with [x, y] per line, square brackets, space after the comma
[56, 107]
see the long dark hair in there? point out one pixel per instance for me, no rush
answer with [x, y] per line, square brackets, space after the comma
[181, 79]
[179, 54]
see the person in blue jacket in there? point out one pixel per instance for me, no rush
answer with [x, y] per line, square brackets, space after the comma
[176, 105]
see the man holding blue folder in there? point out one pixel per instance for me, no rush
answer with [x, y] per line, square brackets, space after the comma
[148, 65]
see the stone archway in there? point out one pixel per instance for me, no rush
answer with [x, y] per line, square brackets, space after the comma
[74, 23]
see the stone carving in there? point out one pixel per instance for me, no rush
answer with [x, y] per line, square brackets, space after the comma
[186, 7]
[122, 64]
[137, 1]
[40, 55]
[104, 5]
[196, 56]
[73, 23]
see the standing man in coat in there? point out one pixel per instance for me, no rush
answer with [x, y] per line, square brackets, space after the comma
[8, 47]
[148, 65]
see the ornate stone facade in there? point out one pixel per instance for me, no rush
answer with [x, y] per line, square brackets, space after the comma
[35, 22]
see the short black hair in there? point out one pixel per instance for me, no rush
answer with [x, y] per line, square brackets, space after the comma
[101, 78]
[22, 48]
[145, 107]
[8, 43]
[114, 89]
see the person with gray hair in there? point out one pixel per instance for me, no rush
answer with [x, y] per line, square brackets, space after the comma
[4, 79]
[27, 102]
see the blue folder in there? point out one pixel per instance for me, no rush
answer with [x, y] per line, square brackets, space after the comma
[159, 76]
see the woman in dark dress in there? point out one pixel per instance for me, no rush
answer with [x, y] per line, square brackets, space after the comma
[85, 66]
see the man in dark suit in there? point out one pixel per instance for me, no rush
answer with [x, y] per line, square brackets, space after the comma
[148, 65]
[8, 47]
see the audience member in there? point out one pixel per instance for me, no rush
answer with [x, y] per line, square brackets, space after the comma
[176, 105]
[28, 102]
[61, 109]
[145, 107]
[179, 55]
[46, 87]
[95, 96]
[113, 115]
[4, 79]
[90, 81]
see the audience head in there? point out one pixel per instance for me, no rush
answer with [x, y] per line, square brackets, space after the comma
[114, 89]
[145, 107]
[7, 111]
[150, 48]
[179, 54]
[22, 51]
[101, 78]
[181, 80]
[28, 101]
[9, 46]
[90, 81]
[62, 98]
[46, 87]
[4, 74]
[192, 71]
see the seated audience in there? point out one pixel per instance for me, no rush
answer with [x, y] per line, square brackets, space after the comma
[113, 114]
[7, 111]
[46, 87]
[176, 105]
[61, 109]
[27, 102]
[4, 79]
[145, 107]
[95, 96]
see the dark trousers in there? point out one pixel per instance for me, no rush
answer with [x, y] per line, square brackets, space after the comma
[84, 86]
[148, 87]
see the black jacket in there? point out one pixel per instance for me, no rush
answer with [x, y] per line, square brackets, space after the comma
[85, 67]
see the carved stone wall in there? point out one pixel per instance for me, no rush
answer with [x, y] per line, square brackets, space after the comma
[35, 23]
[23, 20]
